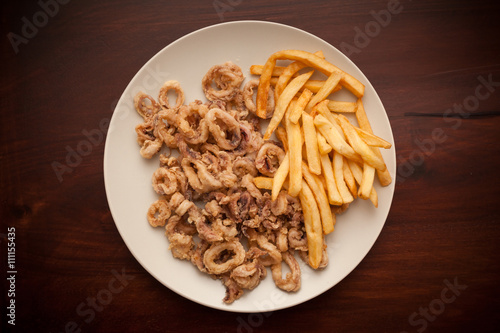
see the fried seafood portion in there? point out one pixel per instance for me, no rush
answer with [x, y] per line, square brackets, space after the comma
[213, 214]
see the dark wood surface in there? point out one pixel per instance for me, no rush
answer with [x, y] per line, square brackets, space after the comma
[443, 227]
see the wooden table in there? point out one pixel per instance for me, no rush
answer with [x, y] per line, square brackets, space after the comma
[436, 67]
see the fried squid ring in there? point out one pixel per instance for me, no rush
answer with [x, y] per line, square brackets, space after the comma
[199, 177]
[264, 243]
[297, 239]
[151, 148]
[224, 128]
[165, 181]
[249, 275]
[158, 213]
[163, 95]
[145, 132]
[191, 125]
[292, 280]
[248, 98]
[163, 131]
[227, 77]
[145, 105]
[269, 159]
[244, 166]
[212, 257]
[181, 245]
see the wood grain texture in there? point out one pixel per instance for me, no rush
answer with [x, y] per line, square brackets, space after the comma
[444, 223]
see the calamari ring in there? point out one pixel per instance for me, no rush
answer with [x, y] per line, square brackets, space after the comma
[145, 132]
[163, 131]
[243, 166]
[297, 239]
[275, 256]
[248, 98]
[224, 128]
[292, 280]
[191, 125]
[145, 105]
[249, 275]
[158, 213]
[151, 148]
[227, 77]
[269, 158]
[165, 181]
[163, 95]
[214, 252]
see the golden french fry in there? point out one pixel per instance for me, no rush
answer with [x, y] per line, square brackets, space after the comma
[257, 70]
[323, 146]
[280, 176]
[345, 107]
[295, 156]
[334, 196]
[359, 145]
[283, 102]
[263, 88]
[287, 74]
[367, 181]
[348, 81]
[265, 183]
[357, 172]
[312, 222]
[349, 179]
[312, 85]
[330, 84]
[334, 138]
[372, 140]
[322, 200]
[311, 141]
[338, 172]
[322, 109]
[300, 105]
[281, 135]
[383, 176]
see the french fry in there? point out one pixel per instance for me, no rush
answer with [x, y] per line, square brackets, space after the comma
[334, 196]
[338, 171]
[263, 88]
[334, 138]
[300, 105]
[295, 155]
[283, 102]
[352, 84]
[330, 84]
[288, 73]
[345, 107]
[357, 172]
[281, 135]
[265, 183]
[359, 145]
[257, 70]
[372, 140]
[322, 109]
[366, 182]
[349, 179]
[322, 200]
[312, 222]
[323, 146]
[311, 141]
[383, 176]
[280, 176]
[312, 85]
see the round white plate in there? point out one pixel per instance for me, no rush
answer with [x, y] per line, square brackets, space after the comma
[128, 176]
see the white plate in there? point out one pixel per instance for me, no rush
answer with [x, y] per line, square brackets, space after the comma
[128, 176]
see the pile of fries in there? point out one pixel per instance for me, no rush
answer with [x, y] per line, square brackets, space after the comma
[329, 161]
